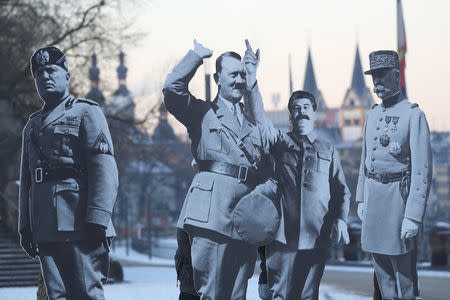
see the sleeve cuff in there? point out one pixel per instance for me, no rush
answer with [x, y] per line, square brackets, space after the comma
[98, 216]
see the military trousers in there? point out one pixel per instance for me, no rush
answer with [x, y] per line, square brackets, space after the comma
[294, 274]
[75, 270]
[397, 275]
[222, 266]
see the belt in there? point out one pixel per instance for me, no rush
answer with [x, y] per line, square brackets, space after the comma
[45, 174]
[243, 173]
[386, 177]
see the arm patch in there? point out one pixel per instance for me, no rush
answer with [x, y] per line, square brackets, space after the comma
[101, 145]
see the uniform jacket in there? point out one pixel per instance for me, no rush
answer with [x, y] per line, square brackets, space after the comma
[74, 134]
[211, 197]
[311, 184]
[396, 139]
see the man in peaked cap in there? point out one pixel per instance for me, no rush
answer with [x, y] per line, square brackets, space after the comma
[394, 180]
[68, 184]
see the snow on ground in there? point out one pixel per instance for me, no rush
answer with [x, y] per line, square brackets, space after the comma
[159, 283]
[119, 253]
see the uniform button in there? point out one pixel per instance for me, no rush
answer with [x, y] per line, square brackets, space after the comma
[40, 133]
[66, 131]
[308, 158]
[373, 158]
[375, 138]
[378, 127]
[374, 148]
[242, 154]
[417, 189]
[423, 195]
[426, 166]
[40, 147]
[418, 173]
[305, 185]
[372, 169]
[424, 181]
[306, 171]
[38, 162]
[381, 119]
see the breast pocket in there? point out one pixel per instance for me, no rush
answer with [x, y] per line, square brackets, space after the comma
[323, 162]
[199, 199]
[68, 210]
[65, 137]
[214, 140]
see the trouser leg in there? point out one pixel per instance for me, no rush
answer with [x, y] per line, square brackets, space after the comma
[405, 270]
[385, 275]
[75, 270]
[282, 281]
[221, 266]
[312, 262]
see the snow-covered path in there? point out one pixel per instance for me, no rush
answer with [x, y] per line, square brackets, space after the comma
[158, 283]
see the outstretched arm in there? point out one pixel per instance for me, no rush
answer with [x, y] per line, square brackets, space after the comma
[253, 100]
[179, 101]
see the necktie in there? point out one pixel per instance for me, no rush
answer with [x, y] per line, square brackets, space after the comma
[235, 113]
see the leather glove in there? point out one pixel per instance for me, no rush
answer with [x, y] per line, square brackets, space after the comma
[96, 232]
[409, 230]
[339, 232]
[27, 244]
[264, 291]
[361, 212]
[201, 50]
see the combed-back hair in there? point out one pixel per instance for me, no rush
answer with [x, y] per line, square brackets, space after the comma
[226, 54]
[299, 95]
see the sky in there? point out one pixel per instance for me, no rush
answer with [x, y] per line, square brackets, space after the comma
[331, 29]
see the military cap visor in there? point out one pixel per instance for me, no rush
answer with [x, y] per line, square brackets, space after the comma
[382, 59]
[48, 56]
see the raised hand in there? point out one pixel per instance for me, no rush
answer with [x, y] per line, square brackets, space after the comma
[251, 62]
[201, 50]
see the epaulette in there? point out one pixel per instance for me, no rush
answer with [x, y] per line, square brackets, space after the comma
[91, 102]
[414, 105]
[375, 105]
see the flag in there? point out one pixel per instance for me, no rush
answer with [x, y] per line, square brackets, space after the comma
[401, 46]
[290, 77]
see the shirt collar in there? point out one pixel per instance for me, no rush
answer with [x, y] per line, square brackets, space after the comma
[310, 137]
[230, 104]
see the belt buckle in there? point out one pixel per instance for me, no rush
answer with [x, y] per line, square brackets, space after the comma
[38, 175]
[383, 178]
[244, 178]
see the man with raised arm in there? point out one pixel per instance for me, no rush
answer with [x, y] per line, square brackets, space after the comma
[231, 154]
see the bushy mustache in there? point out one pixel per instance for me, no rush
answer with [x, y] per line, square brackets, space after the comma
[239, 86]
[301, 116]
[380, 88]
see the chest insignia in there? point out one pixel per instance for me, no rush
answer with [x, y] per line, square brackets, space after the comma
[384, 140]
[395, 149]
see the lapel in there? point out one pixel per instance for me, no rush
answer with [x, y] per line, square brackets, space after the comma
[226, 117]
[247, 127]
[294, 142]
[55, 114]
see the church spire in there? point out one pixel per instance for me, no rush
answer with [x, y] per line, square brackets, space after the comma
[94, 75]
[358, 83]
[310, 84]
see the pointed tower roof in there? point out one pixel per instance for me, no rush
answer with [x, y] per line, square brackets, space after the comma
[94, 75]
[310, 84]
[358, 83]
[358, 93]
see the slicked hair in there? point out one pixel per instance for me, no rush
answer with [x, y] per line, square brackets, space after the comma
[299, 95]
[226, 54]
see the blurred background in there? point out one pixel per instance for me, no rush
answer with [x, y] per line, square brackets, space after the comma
[119, 53]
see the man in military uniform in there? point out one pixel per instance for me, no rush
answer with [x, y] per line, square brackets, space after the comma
[314, 201]
[394, 180]
[230, 152]
[68, 184]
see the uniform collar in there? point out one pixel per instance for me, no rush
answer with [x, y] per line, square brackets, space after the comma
[230, 104]
[310, 137]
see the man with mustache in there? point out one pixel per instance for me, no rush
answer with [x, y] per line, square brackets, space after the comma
[394, 180]
[313, 194]
[68, 184]
[229, 150]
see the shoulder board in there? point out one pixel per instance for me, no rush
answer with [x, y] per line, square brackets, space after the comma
[91, 102]
[375, 105]
[414, 105]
